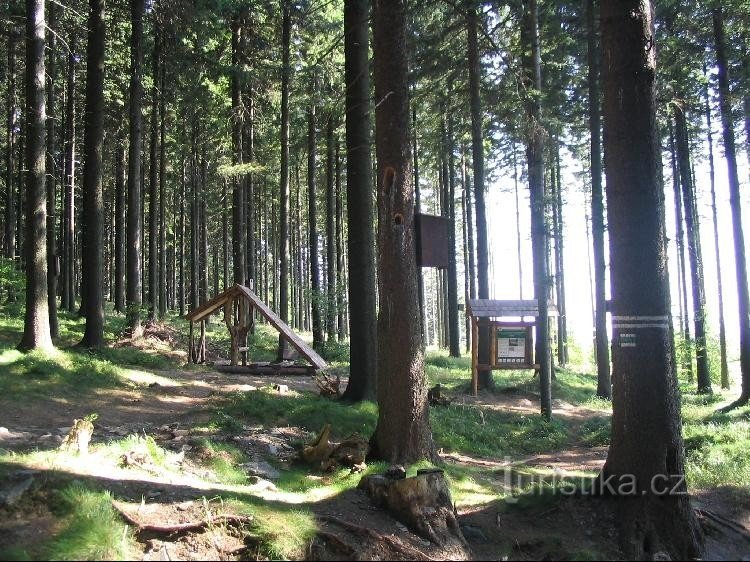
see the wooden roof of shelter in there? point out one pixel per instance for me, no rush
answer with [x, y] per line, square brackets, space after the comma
[283, 328]
[487, 308]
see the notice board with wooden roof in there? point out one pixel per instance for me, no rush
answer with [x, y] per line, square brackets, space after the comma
[511, 340]
[237, 317]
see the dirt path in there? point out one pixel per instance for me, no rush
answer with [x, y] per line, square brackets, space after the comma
[158, 398]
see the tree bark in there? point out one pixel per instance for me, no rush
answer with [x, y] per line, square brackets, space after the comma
[562, 320]
[36, 333]
[162, 293]
[330, 233]
[93, 205]
[647, 446]
[153, 183]
[68, 300]
[10, 146]
[283, 228]
[717, 251]
[535, 161]
[454, 347]
[135, 220]
[403, 432]
[477, 145]
[604, 382]
[238, 191]
[730, 154]
[692, 227]
[312, 222]
[52, 174]
[360, 215]
[120, 224]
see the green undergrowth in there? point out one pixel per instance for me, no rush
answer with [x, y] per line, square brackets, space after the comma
[92, 529]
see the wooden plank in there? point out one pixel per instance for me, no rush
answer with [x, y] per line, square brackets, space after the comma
[305, 350]
[208, 308]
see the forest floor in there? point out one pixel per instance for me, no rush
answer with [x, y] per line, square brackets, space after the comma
[189, 463]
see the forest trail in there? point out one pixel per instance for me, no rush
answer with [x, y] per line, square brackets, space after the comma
[174, 407]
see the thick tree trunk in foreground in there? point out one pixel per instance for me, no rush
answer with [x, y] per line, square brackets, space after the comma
[743, 298]
[477, 149]
[135, 219]
[403, 432]
[93, 204]
[692, 227]
[359, 208]
[604, 383]
[646, 429]
[36, 334]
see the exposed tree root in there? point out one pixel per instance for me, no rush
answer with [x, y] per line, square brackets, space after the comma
[722, 524]
[181, 528]
[396, 545]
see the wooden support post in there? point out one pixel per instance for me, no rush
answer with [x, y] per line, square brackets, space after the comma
[474, 356]
[191, 344]
[202, 346]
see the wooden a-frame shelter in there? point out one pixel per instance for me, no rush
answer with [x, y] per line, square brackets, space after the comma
[238, 303]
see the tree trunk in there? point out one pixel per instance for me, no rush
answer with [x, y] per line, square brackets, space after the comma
[68, 300]
[52, 174]
[10, 146]
[93, 206]
[743, 299]
[692, 226]
[135, 221]
[454, 338]
[535, 160]
[360, 216]
[681, 277]
[181, 227]
[403, 433]
[477, 144]
[120, 224]
[341, 317]
[330, 232]
[418, 210]
[562, 320]
[312, 222]
[238, 192]
[604, 383]
[36, 333]
[283, 236]
[646, 451]
[712, 174]
[162, 293]
[153, 183]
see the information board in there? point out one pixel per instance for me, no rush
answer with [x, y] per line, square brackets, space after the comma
[512, 346]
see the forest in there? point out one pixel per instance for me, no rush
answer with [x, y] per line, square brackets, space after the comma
[339, 279]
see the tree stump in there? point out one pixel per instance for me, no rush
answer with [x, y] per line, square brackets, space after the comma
[77, 439]
[422, 503]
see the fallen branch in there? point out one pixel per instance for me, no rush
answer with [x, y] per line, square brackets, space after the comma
[396, 545]
[182, 527]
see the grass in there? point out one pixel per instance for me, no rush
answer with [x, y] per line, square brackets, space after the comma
[92, 529]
